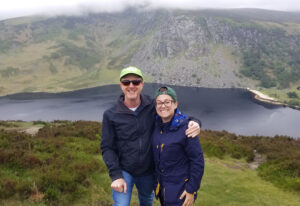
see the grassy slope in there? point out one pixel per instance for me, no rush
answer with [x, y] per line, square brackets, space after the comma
[33, 58]
[282, 96]
[225, 182]
[230, 182]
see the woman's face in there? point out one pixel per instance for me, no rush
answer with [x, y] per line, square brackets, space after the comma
[165, 107]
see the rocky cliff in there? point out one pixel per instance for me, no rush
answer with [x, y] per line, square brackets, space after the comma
[210, 48]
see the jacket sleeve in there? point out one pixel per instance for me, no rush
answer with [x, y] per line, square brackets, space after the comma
[109, 149]
[195, 120]
[196, 160]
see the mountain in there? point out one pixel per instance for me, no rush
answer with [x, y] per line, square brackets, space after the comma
[205, 48]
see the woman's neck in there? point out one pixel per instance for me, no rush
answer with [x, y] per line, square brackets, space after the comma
[166, 120]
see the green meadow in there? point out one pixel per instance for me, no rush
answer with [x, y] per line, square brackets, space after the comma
[231, 182]
[61, 164]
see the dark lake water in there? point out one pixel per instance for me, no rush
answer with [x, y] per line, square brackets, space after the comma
[234, 110]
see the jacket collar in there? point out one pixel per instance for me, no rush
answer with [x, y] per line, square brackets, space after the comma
[122, 108]
[177, 121]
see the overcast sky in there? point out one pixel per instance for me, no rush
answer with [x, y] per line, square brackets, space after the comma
[16, 8]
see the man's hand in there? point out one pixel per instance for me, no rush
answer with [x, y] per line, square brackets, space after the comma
[193, 129]
[119, 185]
[189, 198]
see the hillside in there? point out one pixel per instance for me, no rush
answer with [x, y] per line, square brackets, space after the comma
[206, 48]
[61, 164]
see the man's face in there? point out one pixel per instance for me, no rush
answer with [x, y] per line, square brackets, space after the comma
[133, 90]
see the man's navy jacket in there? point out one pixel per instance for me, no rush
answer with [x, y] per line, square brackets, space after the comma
[126, 138]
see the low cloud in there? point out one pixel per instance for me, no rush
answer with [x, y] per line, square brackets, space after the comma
[16, 8]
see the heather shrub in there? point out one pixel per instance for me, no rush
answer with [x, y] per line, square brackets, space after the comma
[58, 161]
[62, 162]
[52, 194]
[7, 188]
[83, 129]
[282, 166]
[211, 149]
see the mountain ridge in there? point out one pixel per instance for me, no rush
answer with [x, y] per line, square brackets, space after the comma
[205, 48]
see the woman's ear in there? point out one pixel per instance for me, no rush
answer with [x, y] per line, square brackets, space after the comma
[176, 105]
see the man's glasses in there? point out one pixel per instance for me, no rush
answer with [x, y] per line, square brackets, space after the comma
[135, 82]
[167, 103]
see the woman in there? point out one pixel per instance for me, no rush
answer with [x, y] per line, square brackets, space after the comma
[179, 162]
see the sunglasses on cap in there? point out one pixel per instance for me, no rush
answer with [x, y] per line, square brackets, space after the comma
[135, 82]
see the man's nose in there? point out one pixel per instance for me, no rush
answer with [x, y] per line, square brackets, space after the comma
[131, 84]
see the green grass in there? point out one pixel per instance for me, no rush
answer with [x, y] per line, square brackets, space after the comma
[16, 125]
[225, 182]
[282, 95]
[231, 182]
[62, 165]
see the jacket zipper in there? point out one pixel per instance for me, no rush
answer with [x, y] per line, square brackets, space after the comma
[140, 141]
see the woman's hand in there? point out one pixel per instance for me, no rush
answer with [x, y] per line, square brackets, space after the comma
[189, 198]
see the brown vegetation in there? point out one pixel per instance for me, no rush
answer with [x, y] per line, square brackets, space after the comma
[55, 166]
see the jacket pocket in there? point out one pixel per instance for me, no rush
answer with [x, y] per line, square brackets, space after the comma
[172, 153]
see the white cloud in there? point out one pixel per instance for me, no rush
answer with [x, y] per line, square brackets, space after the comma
[14, 8]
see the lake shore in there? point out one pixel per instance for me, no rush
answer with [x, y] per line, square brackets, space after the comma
[265, 98]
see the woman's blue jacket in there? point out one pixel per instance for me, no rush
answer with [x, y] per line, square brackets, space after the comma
[179, 162]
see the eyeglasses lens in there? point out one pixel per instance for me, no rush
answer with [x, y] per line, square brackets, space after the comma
[135, 82]
[166, 103]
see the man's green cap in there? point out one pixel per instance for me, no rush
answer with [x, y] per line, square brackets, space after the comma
[166, 90]
[131, 70]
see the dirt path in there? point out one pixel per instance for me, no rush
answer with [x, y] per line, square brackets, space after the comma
[241, 165]
[258, 159]
[32, 130]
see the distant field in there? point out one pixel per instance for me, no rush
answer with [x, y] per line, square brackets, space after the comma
[289, 96]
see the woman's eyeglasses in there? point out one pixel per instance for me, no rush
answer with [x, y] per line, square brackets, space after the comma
[167, 103]
[135, 82]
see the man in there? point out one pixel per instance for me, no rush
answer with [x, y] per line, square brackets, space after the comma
[126, 140]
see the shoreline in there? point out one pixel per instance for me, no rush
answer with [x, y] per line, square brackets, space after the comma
[267, 99]
[256, 94]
